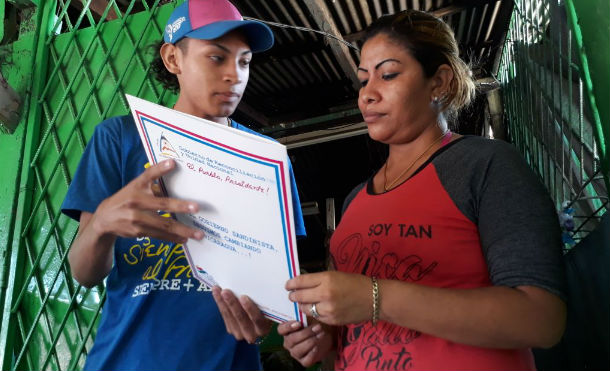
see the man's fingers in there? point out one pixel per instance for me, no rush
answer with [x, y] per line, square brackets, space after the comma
[227, 317]
[167, 204]
[241, 317]
[155, 172]
[262, 325]
[157, 226]
[156, 190]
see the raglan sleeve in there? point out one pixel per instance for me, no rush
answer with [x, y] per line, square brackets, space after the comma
[518, 225]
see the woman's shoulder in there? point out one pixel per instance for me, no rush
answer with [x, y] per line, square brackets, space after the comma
[474, 143]
[478, 149]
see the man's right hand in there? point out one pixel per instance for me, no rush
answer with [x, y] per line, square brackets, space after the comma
[133, 211]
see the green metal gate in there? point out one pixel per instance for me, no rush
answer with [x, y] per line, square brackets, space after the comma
[80, 73]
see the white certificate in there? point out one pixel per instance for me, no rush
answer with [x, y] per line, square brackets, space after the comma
[241, 182]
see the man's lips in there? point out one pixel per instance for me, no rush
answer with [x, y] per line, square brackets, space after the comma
[228, 96]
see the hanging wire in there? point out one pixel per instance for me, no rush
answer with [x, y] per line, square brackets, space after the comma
[299, 28]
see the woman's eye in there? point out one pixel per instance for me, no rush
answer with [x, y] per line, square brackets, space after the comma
[245, 62]
[363, 83]
[389, 76]
[217, 58]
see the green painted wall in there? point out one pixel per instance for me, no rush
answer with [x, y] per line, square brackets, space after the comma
[14, 66]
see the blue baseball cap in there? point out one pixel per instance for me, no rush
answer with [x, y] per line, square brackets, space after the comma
[210, 19]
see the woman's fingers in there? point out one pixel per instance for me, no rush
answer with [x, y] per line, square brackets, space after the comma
[305, 281]
[304, 345]
[287, 328]
[297, 337]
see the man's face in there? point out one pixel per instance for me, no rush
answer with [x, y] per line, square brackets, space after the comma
[213, 75]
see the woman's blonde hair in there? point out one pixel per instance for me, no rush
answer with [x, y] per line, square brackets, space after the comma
[432, 43]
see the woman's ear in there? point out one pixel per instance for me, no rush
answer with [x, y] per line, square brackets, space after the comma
[171, 58]
[442, 81]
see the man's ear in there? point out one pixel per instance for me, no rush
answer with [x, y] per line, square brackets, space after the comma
[442, 81]
[170, 54]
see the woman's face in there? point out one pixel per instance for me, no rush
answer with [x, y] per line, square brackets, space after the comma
[213, 75]
[395, 95]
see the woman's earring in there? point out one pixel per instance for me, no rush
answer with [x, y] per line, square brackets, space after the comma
[435, 100]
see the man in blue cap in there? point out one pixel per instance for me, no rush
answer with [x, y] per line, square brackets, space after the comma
[156, 315]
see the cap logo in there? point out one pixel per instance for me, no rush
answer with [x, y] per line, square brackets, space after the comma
[170, 29]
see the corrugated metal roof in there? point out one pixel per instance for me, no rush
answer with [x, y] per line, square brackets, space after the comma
[308, 75]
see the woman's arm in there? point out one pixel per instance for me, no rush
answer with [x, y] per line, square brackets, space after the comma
[497, 317]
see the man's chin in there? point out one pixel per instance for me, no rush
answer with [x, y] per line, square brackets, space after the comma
[226, 110]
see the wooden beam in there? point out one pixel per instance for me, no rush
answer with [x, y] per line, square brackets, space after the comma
[368, 18]
[442, 12]
[97, 7]
[247, 110]
[325, 22]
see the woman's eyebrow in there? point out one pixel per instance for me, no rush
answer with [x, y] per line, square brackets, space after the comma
[386, 60]
[379, 64]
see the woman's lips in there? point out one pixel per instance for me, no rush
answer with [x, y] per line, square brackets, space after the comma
[371, 117]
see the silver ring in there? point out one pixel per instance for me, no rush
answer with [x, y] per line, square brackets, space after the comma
[313, 311]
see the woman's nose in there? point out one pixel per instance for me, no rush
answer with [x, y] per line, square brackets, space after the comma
[368, 94]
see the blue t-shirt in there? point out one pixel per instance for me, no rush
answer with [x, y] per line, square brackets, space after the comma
[156, 315]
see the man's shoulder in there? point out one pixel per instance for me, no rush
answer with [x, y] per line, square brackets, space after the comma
[120, 128]
[241, 127]
[116, 122]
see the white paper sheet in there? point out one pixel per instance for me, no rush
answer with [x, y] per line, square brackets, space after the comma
[241, 182]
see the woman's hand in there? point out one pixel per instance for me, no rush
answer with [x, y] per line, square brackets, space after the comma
[242, 317]
[307, 345]
[340, 298]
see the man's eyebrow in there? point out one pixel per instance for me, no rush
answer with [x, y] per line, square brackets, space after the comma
[222, 47]
[229, 51]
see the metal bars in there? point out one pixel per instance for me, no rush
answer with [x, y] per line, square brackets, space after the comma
[548, 115]
[91, 63]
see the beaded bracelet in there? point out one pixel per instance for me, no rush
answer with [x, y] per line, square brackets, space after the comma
[375, 301]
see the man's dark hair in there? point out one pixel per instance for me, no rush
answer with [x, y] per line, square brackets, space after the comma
[157, 67]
